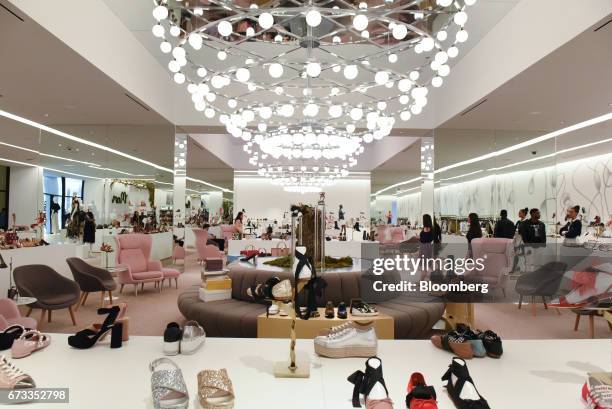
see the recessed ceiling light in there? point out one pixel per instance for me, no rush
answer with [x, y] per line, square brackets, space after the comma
[46, 115]
[535, 113]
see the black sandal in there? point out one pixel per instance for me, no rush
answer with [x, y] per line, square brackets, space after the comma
[87, 338]
[313, 288]
[364, 382]
[458, 367]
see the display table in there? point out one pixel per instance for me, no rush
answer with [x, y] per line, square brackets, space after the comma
[334, 248]
[276, 326]
[531, 374]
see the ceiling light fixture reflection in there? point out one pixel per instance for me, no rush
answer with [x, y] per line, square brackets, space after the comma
[209, 184]
[46, 168]
[396, 185]
[48, 155]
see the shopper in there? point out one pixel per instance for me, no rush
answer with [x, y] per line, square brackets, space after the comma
[504, 228]
[437, 233]
[474, 230]
[427, 233]
[573, 228]
[238, 224]
[390, 217]
[533, 230]
[522, 214]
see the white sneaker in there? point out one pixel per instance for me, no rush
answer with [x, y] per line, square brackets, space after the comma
[349, 342]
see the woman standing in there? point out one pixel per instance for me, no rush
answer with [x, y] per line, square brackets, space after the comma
[427, 233]
[238, 224]
[474, 231]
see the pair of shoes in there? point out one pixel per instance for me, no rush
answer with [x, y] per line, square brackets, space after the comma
[371, 385]
[467, 344]
[272, 289]
[329, 310]
[342, 313]
[420, 395]
[185, 341]
[461, 388]
[29, 342]
[350, 341]
[597, 391]
[168, 385]
[13, 378]
[360, 308]
[87, 338]
[121, 318]
[215, 390]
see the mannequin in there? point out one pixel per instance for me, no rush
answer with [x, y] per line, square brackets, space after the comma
[342, 223]
[89, 229]
[74, 221]
[55, 208]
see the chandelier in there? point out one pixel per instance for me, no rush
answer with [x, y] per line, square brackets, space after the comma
[302, 179]
[312, 80]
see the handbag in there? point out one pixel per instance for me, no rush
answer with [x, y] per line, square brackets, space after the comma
[280, 251]
[249, 251]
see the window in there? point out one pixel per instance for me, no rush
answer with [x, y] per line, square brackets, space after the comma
[58, 193]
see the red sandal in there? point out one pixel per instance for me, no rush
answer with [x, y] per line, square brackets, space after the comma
[420, 395]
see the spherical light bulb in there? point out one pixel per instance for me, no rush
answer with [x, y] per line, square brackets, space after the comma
[414, 75]
[434, 65]
[209, 113]
[225, 28]
[428, 43]
[418, 48]
[416, 109]
[178, 53]
[250, 32]
[175, 31]
[313, 69]
[266, 20]
[313, 18]
[210, 97]
[251, 87]
[200, 106]
[278, 38]
[350, 72]
[158, 30]
[392, 58]
[381, 77]
[336, 68]
[404, 99]
[399, 31]
[360, 22]
[275, 70]
[202, 72]
[243, 74]
[265, 112]
[279, 90]
[179, 78]
[368, 138]
[356, 114]
[437, 81]
[444, 70]
[381, 105]
[365, 34]
[461, 36]
[165, 47]
[174, 66]
[335, 111]
[460, 18]
[442, 35]
[404, 85]
[350, 128]
[262, 128]
[444, 3]
[334, 91]
[221, 55]
[192, 88]
[405, 115]
[452, 52]
[160, 13]
[336, 40]
[217, 81]
[195, 41]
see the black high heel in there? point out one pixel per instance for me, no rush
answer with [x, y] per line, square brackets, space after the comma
[364, 382]
[87, 338]
[458, 367]
[312, 289]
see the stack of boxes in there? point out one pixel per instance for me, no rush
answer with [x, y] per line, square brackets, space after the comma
[216, 284]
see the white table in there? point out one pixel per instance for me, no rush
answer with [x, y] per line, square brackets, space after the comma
[333, 248]
[531, 374]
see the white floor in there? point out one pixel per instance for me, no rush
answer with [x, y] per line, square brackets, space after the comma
[531, 374]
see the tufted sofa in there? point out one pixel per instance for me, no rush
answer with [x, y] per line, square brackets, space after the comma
[237, 317]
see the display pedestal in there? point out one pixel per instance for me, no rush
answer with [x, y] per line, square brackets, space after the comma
[302, 367]
[458, 313]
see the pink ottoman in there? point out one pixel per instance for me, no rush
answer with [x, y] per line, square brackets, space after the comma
[170, 273]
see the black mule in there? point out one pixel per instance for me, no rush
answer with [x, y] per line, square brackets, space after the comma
[458, 367]
[364, 382]
[87, 338]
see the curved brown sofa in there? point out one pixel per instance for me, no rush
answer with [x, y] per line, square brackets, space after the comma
[237, 317]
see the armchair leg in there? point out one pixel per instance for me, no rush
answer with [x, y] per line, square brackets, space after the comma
[110, 298]
[544, 302]
[71, 311]
[520, 301]
[135, 290]
[101, 299]
[49, 316]
[576, 322]
[121, 289]
[29, 311]
[85, 298]
[141, 286]
[176, 282]
[160, 286]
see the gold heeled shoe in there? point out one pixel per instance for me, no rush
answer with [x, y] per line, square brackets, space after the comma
[215, 389]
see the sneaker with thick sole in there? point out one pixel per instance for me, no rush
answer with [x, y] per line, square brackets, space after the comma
[350, 342]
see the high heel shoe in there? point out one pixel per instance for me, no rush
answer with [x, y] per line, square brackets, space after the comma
[87, 338]
[461, 388]
[311, 284]
[121, 318]
[371, 385]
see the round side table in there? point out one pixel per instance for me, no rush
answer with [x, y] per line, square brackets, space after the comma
[25, 300]
[114, 271]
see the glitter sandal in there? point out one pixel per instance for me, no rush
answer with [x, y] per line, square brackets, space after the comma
[168, 386]
[215, 389]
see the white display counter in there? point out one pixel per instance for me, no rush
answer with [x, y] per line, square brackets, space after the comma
[333, 248]
[530, 374]
[54, 256]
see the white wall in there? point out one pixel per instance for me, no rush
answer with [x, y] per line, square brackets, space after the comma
[93, 198]
[25, 194]
[262, 199]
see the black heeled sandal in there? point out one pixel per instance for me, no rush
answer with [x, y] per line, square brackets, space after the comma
[459, 369]
[364, 382]
[87, 338]
[312, 289]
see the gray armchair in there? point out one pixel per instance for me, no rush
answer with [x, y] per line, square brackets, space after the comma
[52, 290]
[91, 279]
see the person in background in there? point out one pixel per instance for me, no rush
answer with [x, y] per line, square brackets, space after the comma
[474, 230]
[427, 233]
[390, 217]
[596, 222]
[522, 214]
[238, 224]
[573, 228]
[504, 228]
[3, 219]
[533, 230]
[437, 231]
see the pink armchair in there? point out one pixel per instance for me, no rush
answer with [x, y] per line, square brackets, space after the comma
[498, 256]
[227, 231]
[133, 251]
[10, 315]
[390, 234]
[201, 237]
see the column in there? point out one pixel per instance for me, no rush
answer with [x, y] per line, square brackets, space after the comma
[427, 169]
[180, 183]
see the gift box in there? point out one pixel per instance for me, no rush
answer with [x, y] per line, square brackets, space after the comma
[214, 295]
[222, 284]
[214, 264]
